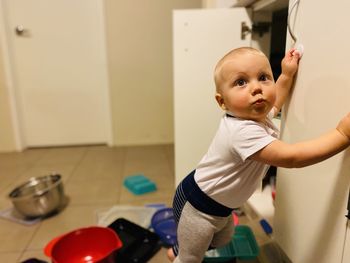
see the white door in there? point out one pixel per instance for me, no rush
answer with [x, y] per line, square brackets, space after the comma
[59, 68]
[201, 37]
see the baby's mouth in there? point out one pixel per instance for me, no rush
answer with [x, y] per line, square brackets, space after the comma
[259, 101]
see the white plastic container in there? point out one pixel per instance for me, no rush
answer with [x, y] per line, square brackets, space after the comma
[139, 215]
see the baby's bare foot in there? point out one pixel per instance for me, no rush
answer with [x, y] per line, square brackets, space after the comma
[170, 254]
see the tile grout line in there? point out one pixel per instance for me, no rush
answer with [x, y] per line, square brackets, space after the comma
[170, 164]
[122, 170]
[27, 167]
[25, 249]
[77, 165]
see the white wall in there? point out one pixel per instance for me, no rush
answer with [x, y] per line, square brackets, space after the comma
[140, 60]
[218, 3]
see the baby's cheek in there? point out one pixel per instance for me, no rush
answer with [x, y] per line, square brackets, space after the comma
[239, 103]
[272, 95]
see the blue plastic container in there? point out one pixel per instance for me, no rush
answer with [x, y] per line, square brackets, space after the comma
[164, 225]
[139, 184]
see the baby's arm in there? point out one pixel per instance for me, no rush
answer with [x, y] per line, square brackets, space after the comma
[309, 152]
[285, 80]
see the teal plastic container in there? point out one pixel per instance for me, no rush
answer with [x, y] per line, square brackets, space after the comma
[242, 246]
[139, 184]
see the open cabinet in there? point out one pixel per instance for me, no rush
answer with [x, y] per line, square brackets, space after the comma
[200, 38]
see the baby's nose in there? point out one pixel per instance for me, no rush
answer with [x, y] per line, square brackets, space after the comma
[257, 89]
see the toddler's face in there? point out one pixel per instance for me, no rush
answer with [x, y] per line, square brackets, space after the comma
[247, 86]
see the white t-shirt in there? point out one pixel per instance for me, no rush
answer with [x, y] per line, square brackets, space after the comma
[225, 173]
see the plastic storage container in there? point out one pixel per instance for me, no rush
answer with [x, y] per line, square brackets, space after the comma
[163, 223]
[139, 184]
[139, 244]
[242, 246]
[139, 215]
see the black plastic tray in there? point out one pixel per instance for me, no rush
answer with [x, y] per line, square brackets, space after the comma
[139, 244]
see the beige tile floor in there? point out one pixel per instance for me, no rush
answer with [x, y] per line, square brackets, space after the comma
[92, 178]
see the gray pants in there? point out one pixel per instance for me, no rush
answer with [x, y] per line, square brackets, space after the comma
[197, 231]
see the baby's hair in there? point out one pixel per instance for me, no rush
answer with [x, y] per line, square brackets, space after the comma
[219, 65]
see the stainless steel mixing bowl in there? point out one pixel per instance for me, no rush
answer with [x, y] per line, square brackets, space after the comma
[38, 197]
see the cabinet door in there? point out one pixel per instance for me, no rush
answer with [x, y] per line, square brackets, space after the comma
[311, 202]
[201, 38]
[346, 255]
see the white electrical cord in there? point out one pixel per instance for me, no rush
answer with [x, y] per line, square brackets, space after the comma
[298, 46]
[288, 22]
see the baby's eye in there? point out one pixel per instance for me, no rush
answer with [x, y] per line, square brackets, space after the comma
[263, 77]
[240, 82]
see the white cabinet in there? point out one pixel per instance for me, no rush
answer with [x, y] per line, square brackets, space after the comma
[310, 222]
[346, 254]
[201, 38]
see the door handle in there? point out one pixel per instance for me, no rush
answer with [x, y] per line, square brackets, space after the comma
[20, 30]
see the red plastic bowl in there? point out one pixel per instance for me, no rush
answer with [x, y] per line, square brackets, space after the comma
[86, 245]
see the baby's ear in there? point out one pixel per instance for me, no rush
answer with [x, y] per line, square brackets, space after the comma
[220, 101]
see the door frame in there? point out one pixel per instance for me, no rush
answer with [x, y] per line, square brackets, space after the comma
[13, 94]
[9, 84]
